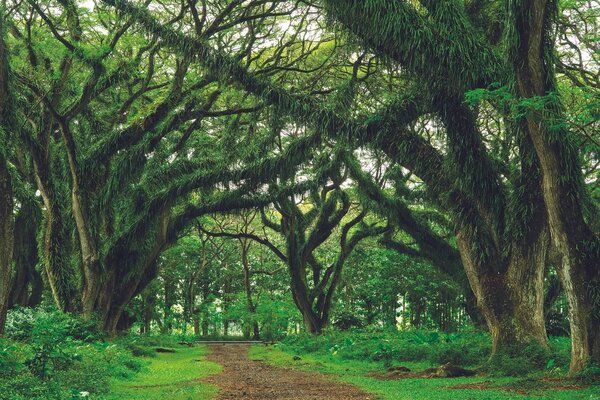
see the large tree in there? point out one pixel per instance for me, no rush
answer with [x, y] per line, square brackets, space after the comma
[7, 124]
[505, 215]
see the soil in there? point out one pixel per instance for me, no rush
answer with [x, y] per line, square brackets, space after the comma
[444, 371]
[246, 379]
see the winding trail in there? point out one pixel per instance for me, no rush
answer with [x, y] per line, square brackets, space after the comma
[247, 379]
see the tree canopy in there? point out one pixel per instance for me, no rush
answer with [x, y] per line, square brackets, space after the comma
[433, 160]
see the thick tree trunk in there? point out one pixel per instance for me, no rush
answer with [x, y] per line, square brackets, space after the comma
[312, 322]
[90, 258]
[56, 242]
[512, 298]
[122, 285]
[110, 321]
[562, 181]
[6, 189]
[117, 293]
[37, 288]
[25, 256]
[6, 235]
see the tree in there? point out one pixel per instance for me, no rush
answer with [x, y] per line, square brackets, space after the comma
[6, 189]
[504, 222]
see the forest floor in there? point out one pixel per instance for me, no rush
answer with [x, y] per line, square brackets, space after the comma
[372, 378]
[258, 372]
[243, 378]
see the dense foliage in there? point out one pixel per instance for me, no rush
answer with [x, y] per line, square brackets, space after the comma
[382, 174]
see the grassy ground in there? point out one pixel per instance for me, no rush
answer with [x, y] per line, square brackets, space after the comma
[357, 373]
[173, 376]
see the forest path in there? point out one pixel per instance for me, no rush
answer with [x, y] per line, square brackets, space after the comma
[243, 378]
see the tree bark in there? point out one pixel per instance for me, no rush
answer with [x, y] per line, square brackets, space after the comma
[6, 189]
[6, 235]
[245, 243]
[56, 242]
[512, 298]
[26, 256]
[565, 196]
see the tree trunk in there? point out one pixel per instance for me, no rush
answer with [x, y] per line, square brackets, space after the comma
[512, 298]
[6, 233]
[248, 287]
[37, 288]
[563, 188]
[89, 253]
[313, 324]
[417, 307]
[204, 327]
[169, 289]
[255, 331]
[196, 325]
[122, 285]
[6, 189]
[90, 259]
[312, 321]
[25, 253]
[56, 246]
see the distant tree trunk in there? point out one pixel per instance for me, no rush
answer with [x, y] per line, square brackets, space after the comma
[245, 246]
[225, 327]
[417, 307]
[196, 325]
[370, 315]
[390, 312]
[189, 296]
[553, 292]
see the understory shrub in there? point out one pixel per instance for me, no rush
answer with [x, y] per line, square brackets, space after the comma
[50, 355]
[469, 348]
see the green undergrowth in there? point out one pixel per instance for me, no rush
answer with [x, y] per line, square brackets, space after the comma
[49, 355]
[174, 376]
[367, 374]
[429, 348]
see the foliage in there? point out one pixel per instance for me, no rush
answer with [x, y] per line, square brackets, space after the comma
[31, 324]
[435, 348]
[57, 356]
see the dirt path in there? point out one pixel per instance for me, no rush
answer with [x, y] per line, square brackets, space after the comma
[245, 379]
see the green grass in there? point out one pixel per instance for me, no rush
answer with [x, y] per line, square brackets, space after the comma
[173, 376]
[355, 372]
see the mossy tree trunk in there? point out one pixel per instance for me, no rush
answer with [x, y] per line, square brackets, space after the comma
[6, 184]
[6, 235]
[26, 284]
[564, 194]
